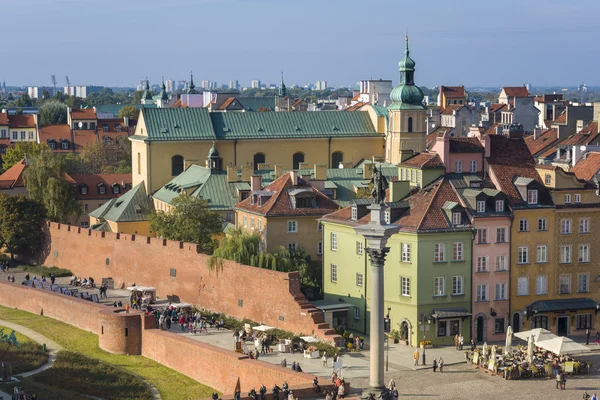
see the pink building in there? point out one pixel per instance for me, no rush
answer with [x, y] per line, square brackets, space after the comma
[460, 154]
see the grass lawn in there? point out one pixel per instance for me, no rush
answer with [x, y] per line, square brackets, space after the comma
[170, 383]
[39, 270]
[27, 357]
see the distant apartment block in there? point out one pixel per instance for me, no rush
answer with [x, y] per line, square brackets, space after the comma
[208, 85]
[234, 84]
[81, 91]
[35, 92]
[255, 84]
[170, 85]
[321, 85]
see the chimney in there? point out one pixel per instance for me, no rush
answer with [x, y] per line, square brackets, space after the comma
[247, 172]
[405, 155]
[579, 126]
[320, 172]
[537, 131]
[256, 183]
[232, 174]
[399, 190]
[278, 170]
[124, 184]
[126, 121]
[367, 170]
[294, 177]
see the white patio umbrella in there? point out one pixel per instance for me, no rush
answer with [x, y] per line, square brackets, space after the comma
[562, 345]
[263, 328]
[508, 344]
[485, 348]
[493, 352]
[539, 334]
[530, 349]
[309, 339]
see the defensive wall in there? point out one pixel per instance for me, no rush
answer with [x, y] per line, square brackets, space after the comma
[178, 268]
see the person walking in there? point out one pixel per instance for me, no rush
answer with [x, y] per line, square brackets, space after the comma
[587, 336]
[324, 359]
[461, 342]
[473, 345]
[434, 365]
[563, 381]
[423, 356]
[441, 365]
[127, 308]
[416, 358]
[558, 381]
[456, 341]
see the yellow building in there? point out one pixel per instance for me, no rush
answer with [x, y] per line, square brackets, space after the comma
[285, 213]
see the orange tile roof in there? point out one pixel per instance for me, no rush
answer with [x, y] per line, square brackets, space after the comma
[57, 133]
[83, 137]
[355, 98]
[465, 145]
[13, 177]
[516, 91]
[494, 108]
[93, 180]
[451, 108]
[356, 106]
[453, 91]
[492, 129]
[177, 103]
[83, 113]
[22, 121]
[424, 160]
[3, 118]
[543, 141]
[561, 119]
[587, 167]
[227, 103]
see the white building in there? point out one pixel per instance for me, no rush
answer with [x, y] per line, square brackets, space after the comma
[35, 92]
[321, 85]
[234, 84]
[255, 84]
[170, 85]
[374, 92]
[81, 91]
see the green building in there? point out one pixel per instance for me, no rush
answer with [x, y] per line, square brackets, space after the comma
[427, 271]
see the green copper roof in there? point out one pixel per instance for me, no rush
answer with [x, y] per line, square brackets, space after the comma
[380, 111]
[213, 152]
[256, 103]
[134, 205]
[174, 124]
[407, 95]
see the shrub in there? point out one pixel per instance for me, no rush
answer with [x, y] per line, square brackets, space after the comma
[40, 270]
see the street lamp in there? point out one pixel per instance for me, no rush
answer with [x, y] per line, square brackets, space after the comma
[424, 319]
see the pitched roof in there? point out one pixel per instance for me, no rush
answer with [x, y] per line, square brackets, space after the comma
[465, 145]
[356, 106]
[134, 205]
[92, 181]
[228, 101]
[449, 110]
[492, 129]
[280, 202]
[587, 136]
[547, 138]
[255, 103]
[453, 91]
[516, 91]
[3, 118]
[494, 108]
[58, 133]
[13, 177]
[587, 166]
[178, 124]
[83, 113]
[22, 121]
[424, 161]
[81, 138]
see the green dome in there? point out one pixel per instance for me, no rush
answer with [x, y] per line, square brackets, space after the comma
[407, 94]
[213, 152]
[407, 63]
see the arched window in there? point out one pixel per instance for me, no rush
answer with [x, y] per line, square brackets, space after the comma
[297, 159]
[336, 158]
[410, 124]
[259, 158]
[176, 165]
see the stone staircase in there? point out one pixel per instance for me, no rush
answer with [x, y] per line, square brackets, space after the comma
[322, 329]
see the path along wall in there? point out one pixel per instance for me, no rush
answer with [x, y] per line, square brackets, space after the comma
[177, 268]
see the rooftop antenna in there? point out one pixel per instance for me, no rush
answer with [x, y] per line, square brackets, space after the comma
[68, 85]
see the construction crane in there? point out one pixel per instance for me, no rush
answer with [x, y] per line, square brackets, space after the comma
[53, 78]
[68, 86]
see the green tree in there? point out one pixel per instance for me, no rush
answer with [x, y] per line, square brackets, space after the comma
[95, 157]
[21, 224]
[129, 111]
[24, 101]
[137, 97]
[53, 112]
[46, 183]
[16, 153]
[190, 220]
[74, 164]
[242, 247]
[74, 102]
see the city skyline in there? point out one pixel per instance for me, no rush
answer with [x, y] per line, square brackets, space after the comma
[454, 46]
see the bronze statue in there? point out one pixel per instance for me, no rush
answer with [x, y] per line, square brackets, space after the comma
[380, 185]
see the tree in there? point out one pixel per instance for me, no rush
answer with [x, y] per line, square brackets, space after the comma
[137, 97]
[244, 248]
[21, 224]
[129, 111]
[53, 112]
[74, 102]
[95, 156]
[190, 220]
[16, 153]
[24, 101]
[46, 183]
[74, 164]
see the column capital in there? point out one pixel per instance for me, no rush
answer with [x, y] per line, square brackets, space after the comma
[377, 256]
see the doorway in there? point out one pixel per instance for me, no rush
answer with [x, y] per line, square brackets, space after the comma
[479, 329]
[516, 322]
[562, 326]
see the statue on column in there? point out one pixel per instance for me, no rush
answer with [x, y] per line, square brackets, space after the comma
[380, 185]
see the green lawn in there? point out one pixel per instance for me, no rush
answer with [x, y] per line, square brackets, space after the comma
[27, 357]
[170, 383]
[39, 270]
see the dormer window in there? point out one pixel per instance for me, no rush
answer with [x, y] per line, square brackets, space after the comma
[83, 189]
[101, 189]
[480, 206]
[105, 128]
[64, 145]
[499, 205]
[52, 144]
[116, 189]
[354, 213]
[305, 202]
[532, 197]
[456, 218]
[118, 128]
[252, 200]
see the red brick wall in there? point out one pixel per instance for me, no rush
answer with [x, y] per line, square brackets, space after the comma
[262, 295]
[119, 332]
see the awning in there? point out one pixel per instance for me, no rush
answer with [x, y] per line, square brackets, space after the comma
[263, 328]
[142, 288]
[309, 339]
[558, 305]
[445, 313]
[331, 305]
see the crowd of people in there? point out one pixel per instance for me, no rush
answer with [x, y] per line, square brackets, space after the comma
[86, 283]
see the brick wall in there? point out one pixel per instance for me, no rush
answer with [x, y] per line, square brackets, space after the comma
[176, 268]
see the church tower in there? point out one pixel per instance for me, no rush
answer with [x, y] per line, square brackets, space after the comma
[406, 131]
[147, 95]
[282, 88]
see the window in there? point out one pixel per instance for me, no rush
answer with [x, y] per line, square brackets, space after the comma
[577, 198]
[523, 225]
[542, 254]
[356, 313]
[292, 247]
[482, 235]
[84, 224]
[532, 197]
[473, 166]
[499, 205]
[499, 325]
[454, 327]
[333, 272]
[418, 178]
[259, 158]
[457, 285]
[319, 226]
[541, 285]
[539, 321]
[359, 247]
[176, 165]
[583, 283]
[542, 224]
[567, 198]
[438, 286]
[64, 145]
[403, 174]
[259, 224]
[441, 328]
[523, 255]
[336, 158]
[406, 252]
[22, 135]
[102, 189]
[565, 254]
[333, 241]
[386, 216]
[548, 179]
[584, 253]
[481, 206]
[292, 226]
[500, 263]
[52, 145]
[413, 176]
[564, 284]
[456, 218]
[320, 248]
[457, 251]
[297, 158]
[252, 223]
[458, 166]
[139, 163]
[4, 134]
[501, 235]
[245, 221]
[15, 135]
[439, 250]
[359, 279]
[354, 213]
[410, 124]
[482, 264]
[584, 321]
[116, 189]
[85, 208]
[84, 189]
[565, 225]
[523, 286]
[405, 285]
[500, 291]
[584, 225]
[31, 138]
[482, 294]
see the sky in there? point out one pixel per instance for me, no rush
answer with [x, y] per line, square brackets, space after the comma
[458, 42]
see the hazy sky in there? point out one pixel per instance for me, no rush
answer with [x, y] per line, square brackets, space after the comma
[473, 43]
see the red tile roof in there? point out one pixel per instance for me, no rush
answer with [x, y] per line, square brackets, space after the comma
[3, 118]
[465, 145]
[423, 161]
[280, 203]
[494, 108]
[561, 119]
[453, 91]
[492, 130]
[226, 103]
[57, 133]
[81, 138]
[177, 103]
[13, 177]
[356, 106]
[587, 167]
[451, 108]
[22, 121]
[434, 217]
[516, 91]
[355, 98]
[543, 141]
[93, 180]
[83, 113]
